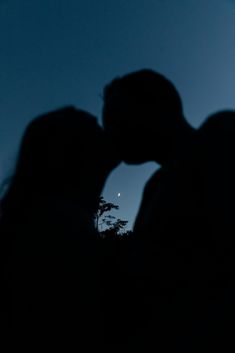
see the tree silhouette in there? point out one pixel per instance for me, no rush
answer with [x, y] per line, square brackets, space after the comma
[104, 207]
[114, 227]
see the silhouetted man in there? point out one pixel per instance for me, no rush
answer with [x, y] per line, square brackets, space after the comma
[183, 252]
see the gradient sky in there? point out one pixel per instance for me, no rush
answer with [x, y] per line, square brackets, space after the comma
[59, 52]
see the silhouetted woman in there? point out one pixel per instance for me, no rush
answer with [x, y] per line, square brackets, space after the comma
[50, 253]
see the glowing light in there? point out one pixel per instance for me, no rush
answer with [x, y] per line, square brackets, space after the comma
[119, 194]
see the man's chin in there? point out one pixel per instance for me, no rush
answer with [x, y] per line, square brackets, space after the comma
[134, 160]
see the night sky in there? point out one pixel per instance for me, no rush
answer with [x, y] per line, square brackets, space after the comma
[59, 52]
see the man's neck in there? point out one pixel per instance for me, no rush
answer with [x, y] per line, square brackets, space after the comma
[181, 145]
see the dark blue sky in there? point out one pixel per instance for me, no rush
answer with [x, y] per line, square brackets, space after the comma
[55, 52]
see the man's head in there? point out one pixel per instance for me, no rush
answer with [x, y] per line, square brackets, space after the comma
[142, 111]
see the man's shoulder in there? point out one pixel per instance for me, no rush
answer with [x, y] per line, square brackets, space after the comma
[219, 124]
[217, 150]
[217, 136]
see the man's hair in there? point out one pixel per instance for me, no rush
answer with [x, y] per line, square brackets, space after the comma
[145, 87]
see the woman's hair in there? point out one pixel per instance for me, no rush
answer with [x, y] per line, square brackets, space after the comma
[52, 155]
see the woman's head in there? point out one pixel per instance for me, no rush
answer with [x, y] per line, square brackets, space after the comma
[62, 152]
